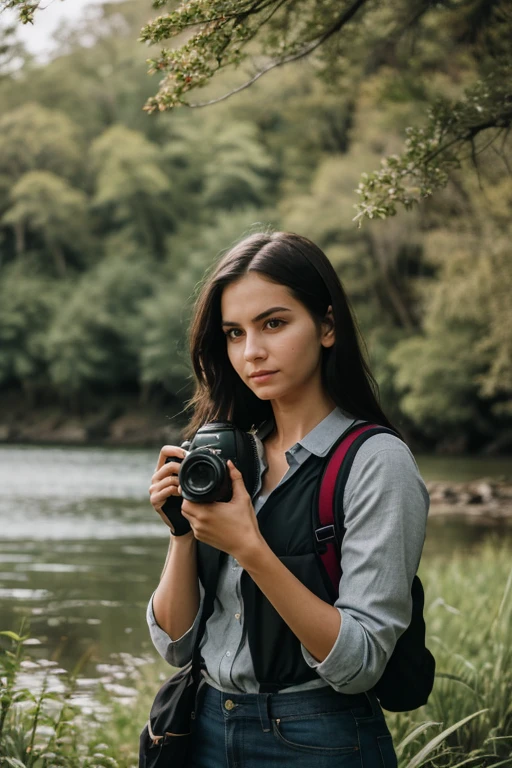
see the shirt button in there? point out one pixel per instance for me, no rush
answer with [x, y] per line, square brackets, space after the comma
[229, 704]
[228, 653]
[237, 616]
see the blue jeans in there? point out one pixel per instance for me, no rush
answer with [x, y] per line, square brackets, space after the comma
[314, 729]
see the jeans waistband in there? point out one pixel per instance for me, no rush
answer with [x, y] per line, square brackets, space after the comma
[269, 706]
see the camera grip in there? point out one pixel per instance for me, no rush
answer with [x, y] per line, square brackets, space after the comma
[172, 510]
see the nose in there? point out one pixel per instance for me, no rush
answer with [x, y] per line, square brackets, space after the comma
[254, 348]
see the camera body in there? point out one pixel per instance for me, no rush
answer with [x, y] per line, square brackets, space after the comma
[204, 473]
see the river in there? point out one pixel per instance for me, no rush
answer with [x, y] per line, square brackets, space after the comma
[81, 549]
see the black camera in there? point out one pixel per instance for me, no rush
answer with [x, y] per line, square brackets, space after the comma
[204, 473]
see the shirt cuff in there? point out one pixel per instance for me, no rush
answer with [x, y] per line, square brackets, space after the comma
[355, 662]
[178, 652]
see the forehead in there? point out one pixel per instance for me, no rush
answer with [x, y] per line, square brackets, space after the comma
[254, 293]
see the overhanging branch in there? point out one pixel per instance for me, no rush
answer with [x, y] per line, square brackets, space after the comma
[339, 24]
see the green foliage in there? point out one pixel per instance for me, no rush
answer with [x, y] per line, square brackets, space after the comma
[28, 301]
[94, 338]
[40, 726]
[47, 205]
[25, 9]
[217, 34]
[433, 151]
[130, 183]
[474, 663]
[35, 138]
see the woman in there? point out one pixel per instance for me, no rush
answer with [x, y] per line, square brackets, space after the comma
[289, 675]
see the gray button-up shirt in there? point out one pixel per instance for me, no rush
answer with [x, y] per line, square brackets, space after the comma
[385, 508]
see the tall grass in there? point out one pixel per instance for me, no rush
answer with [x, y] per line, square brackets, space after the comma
[467, 721]
[469, 624]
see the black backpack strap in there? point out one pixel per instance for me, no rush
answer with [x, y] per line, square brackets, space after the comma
[210, 590]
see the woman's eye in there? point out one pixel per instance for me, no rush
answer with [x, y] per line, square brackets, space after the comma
[230, 332]
[275, 320]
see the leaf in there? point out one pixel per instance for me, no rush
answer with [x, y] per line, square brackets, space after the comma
[12, 635]
[14, 762]
[471, 759]
[437, 740]
[414, 733]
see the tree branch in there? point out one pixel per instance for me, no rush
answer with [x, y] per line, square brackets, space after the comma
[339, 24]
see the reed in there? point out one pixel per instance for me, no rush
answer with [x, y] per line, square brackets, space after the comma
[469, 625]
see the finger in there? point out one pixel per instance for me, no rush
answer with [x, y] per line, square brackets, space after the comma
[237, 480]
[169, 450]
[157, 499]
[187, 509]
[167, 482]
[169, 469]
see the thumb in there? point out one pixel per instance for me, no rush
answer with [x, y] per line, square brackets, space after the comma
[237, 480]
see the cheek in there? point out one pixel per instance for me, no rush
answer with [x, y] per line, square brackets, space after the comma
[235, 355]
[300, 344]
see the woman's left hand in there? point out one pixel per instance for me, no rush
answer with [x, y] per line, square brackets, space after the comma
[229, 526]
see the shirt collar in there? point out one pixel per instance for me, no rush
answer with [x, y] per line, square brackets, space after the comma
[321, 438]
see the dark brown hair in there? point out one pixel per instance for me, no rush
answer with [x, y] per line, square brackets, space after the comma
[297, 263]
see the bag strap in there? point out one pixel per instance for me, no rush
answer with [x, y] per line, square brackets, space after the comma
[329, 535]
[206, 612]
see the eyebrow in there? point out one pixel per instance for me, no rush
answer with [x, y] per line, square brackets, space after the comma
[260, 316]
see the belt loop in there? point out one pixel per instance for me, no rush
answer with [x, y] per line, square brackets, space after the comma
[373, 702]
[264, 711]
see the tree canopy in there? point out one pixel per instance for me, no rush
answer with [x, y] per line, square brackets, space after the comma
[347, 40]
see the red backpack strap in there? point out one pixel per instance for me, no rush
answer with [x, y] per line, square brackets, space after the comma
[326, 534]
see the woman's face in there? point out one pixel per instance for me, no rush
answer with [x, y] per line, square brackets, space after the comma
[285, 341]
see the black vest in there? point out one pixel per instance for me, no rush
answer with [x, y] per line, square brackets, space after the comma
[287, 521]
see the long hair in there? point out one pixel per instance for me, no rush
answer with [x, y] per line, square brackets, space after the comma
[297, 263]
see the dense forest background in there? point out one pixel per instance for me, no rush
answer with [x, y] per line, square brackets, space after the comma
[109, 218]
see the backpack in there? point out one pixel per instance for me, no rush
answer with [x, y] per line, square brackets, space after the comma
[408, 678]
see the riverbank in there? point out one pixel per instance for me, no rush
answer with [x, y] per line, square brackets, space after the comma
[120, 421]
[486, 500]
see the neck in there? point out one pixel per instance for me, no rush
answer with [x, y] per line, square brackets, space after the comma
[294, 420]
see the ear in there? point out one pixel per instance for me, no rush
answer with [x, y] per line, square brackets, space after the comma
[328, 336]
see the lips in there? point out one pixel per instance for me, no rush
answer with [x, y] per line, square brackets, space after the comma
[262, 378]
[260, 373]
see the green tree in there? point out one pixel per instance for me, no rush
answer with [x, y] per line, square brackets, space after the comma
[353, 37]
[33, 138]
[47, 205]
[455, 377]
[94, 339]
[28, 301]
[220, 34]
[131, 187]
[220, 163]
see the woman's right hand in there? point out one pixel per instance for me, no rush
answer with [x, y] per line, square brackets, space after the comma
[164, 482]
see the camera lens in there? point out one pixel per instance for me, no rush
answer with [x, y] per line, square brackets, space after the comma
[201, 477]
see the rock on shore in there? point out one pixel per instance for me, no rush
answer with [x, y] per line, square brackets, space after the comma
[487, 498]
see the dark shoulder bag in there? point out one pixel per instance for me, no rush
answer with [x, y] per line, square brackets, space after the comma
[166, 739]
[408, 678]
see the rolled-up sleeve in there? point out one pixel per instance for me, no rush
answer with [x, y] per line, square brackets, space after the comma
[385, 505]
[178, 652]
